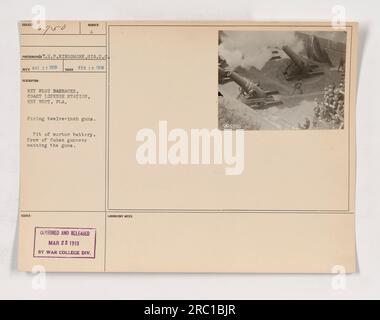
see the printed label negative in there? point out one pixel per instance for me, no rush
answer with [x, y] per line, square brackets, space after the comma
[71, 243]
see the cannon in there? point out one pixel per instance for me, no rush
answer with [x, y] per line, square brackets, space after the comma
[251, 93]
[299, 67]
[315, 52]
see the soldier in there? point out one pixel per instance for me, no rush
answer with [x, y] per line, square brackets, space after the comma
[340, 105]
[317, 112]
[336, 120]
[306, 124]
[323, 113]
[330, 94]
[241, 92]
[316, 101]
[341, 91]
[340, 120]
[341, 64]
[251, 93]
[298, 88]
[326, 113]
[335, 103]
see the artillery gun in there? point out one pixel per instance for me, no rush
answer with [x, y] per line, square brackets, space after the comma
[299, 67]
[316, 52]
[251, 93]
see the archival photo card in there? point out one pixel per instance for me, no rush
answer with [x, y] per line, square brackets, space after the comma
[272, 80]
[130, 162]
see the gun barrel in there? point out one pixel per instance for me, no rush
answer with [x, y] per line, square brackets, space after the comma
[246, 84]
[292, 55]
[242, 82]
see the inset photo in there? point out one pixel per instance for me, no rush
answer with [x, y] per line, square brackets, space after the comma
[271, 80]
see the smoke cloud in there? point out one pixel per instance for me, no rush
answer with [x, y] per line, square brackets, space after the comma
[254, 48]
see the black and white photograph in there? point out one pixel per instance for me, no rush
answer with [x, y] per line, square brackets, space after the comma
[273, 80]
[192, 159]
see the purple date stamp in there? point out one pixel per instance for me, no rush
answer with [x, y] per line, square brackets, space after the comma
[68, 243]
